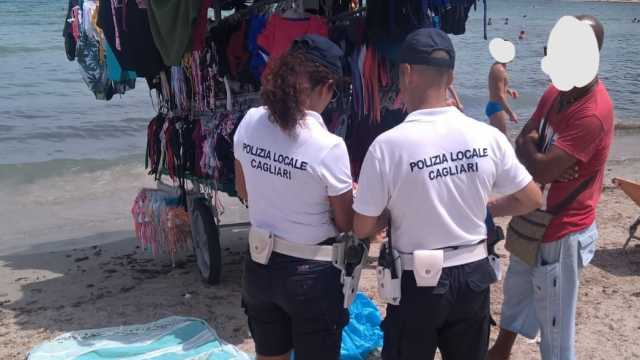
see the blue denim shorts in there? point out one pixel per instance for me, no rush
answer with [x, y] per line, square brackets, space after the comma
[544, 298]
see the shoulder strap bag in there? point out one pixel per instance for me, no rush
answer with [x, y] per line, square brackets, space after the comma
[525, 232]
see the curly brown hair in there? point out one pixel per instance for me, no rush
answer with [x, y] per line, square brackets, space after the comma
[287, 85]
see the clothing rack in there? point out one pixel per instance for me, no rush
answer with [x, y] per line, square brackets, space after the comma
[244, 12]
[347, 15]
[190, 140]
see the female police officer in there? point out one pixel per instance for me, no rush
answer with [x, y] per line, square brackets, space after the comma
[294, 174]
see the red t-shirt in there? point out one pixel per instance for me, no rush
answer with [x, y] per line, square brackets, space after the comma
[280, 32]
[584, 131]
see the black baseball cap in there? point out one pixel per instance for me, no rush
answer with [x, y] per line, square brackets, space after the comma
[420, 44]
[322, 51]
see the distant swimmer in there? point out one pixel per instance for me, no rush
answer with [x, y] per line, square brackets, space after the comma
[522, 35]
[491, 22]
[506, 21]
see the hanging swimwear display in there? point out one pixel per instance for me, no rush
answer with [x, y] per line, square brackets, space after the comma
[206, 75]
[199, 147]
[161, 224]
[198, 67]
[143, 38]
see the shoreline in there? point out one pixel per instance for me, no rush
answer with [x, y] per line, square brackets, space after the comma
[76, 205]
[61, 166]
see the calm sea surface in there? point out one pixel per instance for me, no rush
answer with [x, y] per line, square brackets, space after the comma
[50, 122]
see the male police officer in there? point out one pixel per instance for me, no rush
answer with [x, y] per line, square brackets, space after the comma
[434, 173]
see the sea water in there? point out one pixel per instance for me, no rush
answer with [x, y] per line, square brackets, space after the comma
[70, 165]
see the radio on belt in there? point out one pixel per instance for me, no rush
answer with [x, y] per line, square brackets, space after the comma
[350, 256]
[389, 272]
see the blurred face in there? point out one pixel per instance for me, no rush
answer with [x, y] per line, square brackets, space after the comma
[573, 56]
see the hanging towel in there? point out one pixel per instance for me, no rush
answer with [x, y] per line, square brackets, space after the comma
[171, 23]
[126, 29]
[146, 59]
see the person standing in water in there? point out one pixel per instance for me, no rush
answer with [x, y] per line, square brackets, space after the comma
[498, 110]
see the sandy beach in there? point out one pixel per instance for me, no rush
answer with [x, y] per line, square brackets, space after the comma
[46, 292]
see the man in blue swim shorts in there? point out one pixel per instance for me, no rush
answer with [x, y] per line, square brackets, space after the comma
[498, 110]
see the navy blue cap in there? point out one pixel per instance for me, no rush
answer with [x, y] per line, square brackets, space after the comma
[420, 44]
[322, 51]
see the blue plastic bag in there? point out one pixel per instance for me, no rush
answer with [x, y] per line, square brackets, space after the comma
[363, 334]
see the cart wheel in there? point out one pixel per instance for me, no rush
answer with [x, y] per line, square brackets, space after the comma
[206, 241]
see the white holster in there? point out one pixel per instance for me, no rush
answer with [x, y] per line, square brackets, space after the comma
[390, 286]
[495, 264]
[350, 257]
[262, 243]
[427, 265]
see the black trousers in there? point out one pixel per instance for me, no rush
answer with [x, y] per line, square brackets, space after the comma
[453, 316]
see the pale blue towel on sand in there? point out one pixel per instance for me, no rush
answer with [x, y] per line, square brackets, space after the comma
[173, 338]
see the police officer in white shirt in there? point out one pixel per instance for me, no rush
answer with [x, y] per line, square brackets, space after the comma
[296, 178]
[434, 174]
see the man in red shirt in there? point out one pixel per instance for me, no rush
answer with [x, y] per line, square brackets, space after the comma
[564, 145]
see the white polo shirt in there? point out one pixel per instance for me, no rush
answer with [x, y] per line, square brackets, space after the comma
[435, 172]
[289, 178]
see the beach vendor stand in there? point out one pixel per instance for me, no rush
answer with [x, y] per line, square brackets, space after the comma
[203, 61]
